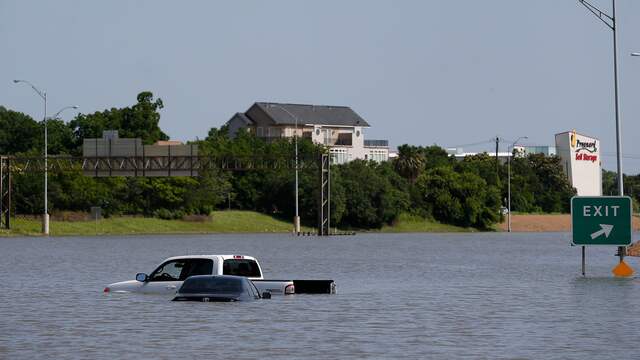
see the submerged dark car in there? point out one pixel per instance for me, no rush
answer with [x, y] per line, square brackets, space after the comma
[219, 288]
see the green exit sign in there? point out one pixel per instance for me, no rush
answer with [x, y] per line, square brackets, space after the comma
[601, 220]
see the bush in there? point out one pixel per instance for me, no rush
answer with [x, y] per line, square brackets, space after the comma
[166, 214]
[370, 197]
[462, 199]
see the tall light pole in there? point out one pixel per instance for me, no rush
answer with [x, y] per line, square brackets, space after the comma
[57, 115]
[43, 95]
[610, 21]
[296, 218]
[509, 182]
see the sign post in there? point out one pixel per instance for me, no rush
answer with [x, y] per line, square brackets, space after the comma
[601, 220]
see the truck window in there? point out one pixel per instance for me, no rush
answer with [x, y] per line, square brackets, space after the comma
[179, 270]
[169, 271]
[241, 267]
[196, 267]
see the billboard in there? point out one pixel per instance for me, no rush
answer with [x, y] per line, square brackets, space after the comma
[581, 161]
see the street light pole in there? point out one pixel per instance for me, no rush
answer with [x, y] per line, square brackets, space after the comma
[296, 218]
[610, 21]
[45, 215]
[509, 182]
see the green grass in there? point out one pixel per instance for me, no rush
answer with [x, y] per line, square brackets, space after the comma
[233, 221]
[408, 223]
[222, 222]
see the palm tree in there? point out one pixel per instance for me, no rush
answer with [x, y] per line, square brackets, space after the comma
[410, 162]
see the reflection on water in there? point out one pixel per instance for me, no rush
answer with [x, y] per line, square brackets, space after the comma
[416, 296]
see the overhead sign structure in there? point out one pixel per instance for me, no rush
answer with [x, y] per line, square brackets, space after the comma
[601, 220]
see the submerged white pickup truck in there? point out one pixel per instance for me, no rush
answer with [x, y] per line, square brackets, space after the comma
[169, 275]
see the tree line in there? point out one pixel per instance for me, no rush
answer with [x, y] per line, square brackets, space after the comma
[423, 181]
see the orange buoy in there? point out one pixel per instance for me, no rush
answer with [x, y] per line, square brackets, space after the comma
[622, 269]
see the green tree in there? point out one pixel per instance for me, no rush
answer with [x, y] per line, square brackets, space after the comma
[435, 156]
[138, 121]
[410, 162]
[482, 165]
[462, 199]
[371, 199]
[19, 133]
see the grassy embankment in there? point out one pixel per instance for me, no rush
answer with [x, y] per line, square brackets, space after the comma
[233, 221]
[410, 223]
[220, 222]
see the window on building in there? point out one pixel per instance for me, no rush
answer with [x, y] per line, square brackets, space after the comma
[378, 155]
[326, 134]
[260, 132]
[339, 156]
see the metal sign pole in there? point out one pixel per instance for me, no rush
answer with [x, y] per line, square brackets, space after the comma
[583, 260]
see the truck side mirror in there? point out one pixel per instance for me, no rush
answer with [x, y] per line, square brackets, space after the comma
[266, 295]
[142, 277]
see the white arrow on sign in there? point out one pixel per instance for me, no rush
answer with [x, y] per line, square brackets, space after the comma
[604, 229]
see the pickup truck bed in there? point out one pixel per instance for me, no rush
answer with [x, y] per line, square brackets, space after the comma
[301, 286]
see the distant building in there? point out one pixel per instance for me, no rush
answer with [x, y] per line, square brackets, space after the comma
[503, 156]
[338, 127]
[460, 154]
[580, 156]
[537, 149]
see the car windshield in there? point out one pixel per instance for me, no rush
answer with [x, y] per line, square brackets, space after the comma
[212, 285]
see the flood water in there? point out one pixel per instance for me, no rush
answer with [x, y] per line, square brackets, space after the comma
[415, 296]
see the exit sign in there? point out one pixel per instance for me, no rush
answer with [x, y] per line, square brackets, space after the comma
[601, 220]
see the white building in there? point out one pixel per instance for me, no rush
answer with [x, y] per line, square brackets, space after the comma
[503, 156]
[338, 127]
[580, 156]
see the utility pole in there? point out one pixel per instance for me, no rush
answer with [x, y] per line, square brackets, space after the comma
[497, 161]
[45, 215]
[509, 181]
[610, 21]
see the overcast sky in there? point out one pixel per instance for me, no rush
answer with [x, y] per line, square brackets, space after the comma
[447, 72]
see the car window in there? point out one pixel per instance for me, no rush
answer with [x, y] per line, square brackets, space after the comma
[196, 267]
[169, 271]
[241, 267]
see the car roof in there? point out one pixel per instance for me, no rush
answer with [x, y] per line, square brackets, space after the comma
[217, 276]
[196, 278]
[212, 257]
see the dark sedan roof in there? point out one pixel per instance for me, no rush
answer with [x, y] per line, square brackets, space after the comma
[213, 284]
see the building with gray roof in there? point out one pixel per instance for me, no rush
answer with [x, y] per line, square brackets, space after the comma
[338, 127]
